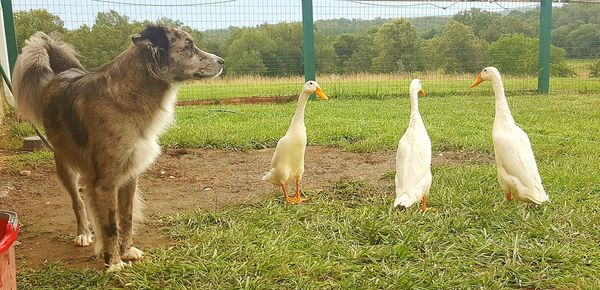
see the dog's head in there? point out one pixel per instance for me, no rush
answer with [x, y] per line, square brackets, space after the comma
[174, 56]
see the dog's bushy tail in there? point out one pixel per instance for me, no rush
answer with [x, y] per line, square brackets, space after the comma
[40, 60]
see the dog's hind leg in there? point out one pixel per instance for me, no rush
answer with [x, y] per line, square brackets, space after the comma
[127, 196]
[68, 178]
[103, 207]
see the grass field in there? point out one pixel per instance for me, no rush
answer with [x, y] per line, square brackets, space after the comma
[370, 125]
[372, 86]
[581, 66]
[348, 237]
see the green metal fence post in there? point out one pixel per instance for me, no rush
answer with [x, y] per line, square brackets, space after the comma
[9, 31]
[545, 39]
[309, 40]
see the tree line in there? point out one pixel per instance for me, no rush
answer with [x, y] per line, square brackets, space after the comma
[462, 43]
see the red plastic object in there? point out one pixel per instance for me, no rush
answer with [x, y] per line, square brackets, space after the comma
[9, 230]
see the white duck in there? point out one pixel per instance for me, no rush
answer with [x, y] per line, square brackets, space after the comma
[413, 158]
[517, 170]
[288, 160]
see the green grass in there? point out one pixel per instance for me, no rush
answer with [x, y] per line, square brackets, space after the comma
[12, 141]
[371, 125]
[29, 159]
[11, 137]
[56, 276]
[368, 86]
[349, 237]
[581, 66]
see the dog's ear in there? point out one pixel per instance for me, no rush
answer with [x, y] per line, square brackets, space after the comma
[152, 36]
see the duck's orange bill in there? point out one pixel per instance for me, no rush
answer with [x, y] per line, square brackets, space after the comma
[477, 81]
[421, 93]
[321, 94]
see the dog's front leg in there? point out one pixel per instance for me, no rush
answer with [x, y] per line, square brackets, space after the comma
[127, 196]
[106, 226]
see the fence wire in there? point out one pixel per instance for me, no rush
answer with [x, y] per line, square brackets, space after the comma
[363, 48]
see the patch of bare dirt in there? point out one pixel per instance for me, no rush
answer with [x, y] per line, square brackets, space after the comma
[460, 158]
[180, 180]
[239, 101]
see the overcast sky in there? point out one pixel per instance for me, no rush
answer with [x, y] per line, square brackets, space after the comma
[212, 14]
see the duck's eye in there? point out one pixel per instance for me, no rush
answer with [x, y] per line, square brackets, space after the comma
[189, 44]
[484, 69]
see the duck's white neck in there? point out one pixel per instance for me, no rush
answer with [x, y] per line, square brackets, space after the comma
[415, 117]
[298, 119]
[502, 110]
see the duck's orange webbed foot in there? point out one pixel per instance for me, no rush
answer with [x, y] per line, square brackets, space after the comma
[424, 207]
[297, 199]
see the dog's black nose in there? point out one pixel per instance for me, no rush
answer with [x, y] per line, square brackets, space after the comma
[220, 60]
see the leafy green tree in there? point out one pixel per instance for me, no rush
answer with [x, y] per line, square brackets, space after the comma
[285, 56]
[29, 22]
[587, 13]
[354, 53]
[325, 54]
[559, 35]
[398, 48]
[507, 25]
[84, 43]
[245, 52]
[566, 19]
[107, 38]
[362, 58]
[479, 20]
[348, 46]
[519, 55]
[429, 26]
[279, 47]
[336, 27]
[584, 41]
[344, 46]
[429, 34]
[457, 49]
[246, 63]
[515, 54]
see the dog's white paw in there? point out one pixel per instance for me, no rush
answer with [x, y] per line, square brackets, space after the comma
[133, 254]
[84, 240]
[116, 267]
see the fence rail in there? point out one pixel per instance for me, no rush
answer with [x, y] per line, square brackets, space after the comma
[362, 48]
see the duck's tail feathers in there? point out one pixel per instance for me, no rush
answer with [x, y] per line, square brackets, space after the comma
[540, 197]
[405, 199]
[267, 176]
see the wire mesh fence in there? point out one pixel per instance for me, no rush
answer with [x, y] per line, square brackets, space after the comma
[363, 48]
